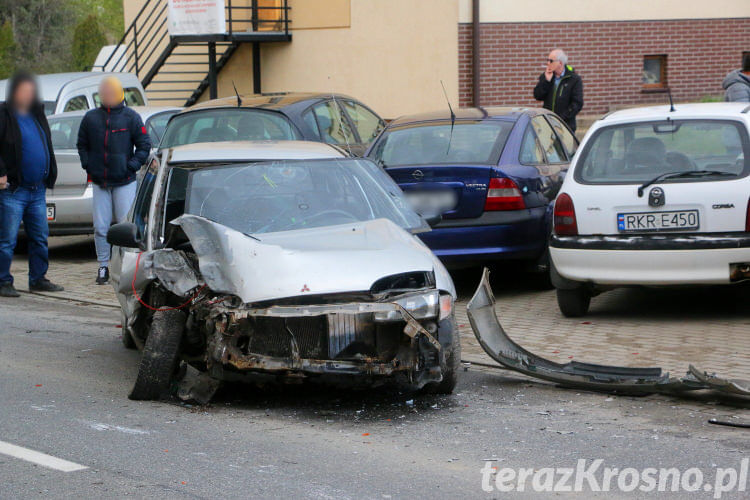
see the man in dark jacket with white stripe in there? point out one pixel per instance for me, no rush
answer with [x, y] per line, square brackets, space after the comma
[27, 170]
[112, 144]
[561, 88]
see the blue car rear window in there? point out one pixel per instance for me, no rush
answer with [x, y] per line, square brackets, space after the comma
[474, 142]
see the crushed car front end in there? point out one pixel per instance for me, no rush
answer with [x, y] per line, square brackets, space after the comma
[289, 270]
[357, 339]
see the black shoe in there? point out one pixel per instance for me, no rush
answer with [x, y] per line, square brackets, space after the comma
[8, 290]
[45, 285]
[102, 277]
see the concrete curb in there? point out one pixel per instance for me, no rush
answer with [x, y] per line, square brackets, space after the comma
[57, 296]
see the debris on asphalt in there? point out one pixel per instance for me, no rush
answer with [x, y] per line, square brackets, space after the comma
[501, 348]
[729, 423]
[197, 387]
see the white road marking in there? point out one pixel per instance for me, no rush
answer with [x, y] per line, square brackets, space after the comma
[39, 458]
[98, 426]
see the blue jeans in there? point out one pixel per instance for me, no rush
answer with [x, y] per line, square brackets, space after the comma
[29, 206]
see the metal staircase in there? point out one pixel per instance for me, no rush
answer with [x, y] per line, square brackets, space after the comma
[177, 70]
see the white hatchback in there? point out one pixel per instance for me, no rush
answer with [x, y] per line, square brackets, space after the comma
[655, 196]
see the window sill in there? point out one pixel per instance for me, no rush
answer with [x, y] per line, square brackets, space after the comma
[654, 90]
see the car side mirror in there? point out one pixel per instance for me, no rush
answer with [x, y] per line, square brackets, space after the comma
[124, 234]
[433, 220]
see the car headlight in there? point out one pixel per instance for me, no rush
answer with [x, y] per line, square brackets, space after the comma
[419, 305]
[446, 306]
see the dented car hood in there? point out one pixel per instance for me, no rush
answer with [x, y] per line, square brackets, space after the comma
[324, 260]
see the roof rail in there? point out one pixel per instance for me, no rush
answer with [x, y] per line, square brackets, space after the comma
[745, 110]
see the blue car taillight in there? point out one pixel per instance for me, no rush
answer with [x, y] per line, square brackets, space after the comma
[503, 194]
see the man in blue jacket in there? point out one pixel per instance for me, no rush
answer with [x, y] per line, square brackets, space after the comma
[112, 144]
[27, 170]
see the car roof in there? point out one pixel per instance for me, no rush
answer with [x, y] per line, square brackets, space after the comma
[491, 112]
[51, 84]
[274, 101]
[145, 111]
[252, 151]
[716, 110]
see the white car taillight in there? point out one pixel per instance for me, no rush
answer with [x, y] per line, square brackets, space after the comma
[503, 194]
[565, 223]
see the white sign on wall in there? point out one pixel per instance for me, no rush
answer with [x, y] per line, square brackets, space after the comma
[196, 17]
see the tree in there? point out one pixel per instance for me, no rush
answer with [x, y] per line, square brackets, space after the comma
[41, 33]
[7, 51]
[108, 12]
[88, 39]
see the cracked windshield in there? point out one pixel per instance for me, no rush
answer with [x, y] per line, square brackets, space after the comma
[283, 196]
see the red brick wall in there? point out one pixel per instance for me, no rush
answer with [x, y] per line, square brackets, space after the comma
[607, 55]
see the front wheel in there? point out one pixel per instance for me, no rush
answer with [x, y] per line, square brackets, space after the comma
[160, 358]
[573, 303]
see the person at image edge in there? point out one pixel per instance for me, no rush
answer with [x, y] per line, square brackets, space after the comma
[27, 170]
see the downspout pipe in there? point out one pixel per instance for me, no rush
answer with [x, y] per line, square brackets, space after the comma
[475, 84]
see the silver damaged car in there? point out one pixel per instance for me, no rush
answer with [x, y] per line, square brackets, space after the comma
[291, 268]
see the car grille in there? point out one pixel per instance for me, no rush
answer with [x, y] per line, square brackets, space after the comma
[317, 337]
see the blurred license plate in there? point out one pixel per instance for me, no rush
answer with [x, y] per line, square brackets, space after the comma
[431, 202]
[658, 221]
[50, 212]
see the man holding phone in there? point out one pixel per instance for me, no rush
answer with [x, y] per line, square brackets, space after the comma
[561, 88]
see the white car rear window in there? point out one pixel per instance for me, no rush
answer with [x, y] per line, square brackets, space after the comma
[637, 152]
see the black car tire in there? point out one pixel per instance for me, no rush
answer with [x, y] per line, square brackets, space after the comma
[573, 303]
[127, 339]
[452, 366]
[160, 358]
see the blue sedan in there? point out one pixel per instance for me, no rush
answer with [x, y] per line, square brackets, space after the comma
[490, 172]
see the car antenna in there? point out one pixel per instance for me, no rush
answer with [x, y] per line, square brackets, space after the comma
[239, 99]
[453, 117]
[671, 102]
[341, 118]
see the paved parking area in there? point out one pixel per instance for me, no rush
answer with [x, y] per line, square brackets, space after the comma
[708, 327]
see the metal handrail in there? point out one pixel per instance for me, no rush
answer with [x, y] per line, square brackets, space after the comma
[142, 48]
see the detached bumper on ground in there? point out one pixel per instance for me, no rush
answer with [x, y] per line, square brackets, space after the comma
[500, 347]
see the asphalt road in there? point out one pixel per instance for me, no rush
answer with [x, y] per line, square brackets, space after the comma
[65, 379]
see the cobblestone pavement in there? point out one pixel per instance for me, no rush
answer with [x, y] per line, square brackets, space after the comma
[708, 327]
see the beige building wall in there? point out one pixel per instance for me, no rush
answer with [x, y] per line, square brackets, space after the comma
[391, 54]
[513, 11]
[392, 57]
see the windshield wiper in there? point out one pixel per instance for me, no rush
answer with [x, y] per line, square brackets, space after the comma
[684, 173]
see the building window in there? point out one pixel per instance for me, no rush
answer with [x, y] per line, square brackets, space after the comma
[654, 72]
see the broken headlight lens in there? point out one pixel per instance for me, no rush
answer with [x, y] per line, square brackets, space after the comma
[420, 306]
[446, 306]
